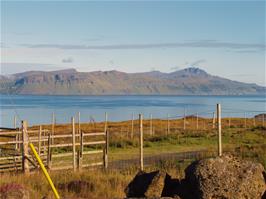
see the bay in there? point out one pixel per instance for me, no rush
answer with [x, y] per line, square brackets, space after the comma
[39, 109]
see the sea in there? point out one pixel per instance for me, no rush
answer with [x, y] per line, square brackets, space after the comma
[40, 109]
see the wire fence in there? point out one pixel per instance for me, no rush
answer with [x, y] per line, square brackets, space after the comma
[173, 139]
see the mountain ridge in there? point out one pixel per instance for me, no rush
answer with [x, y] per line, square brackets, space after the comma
[188, 81]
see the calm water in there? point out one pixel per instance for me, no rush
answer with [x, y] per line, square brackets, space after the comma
[38, 109]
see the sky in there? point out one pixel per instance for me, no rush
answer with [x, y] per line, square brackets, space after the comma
[225, 38]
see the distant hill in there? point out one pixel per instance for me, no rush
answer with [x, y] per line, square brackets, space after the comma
[189, 81]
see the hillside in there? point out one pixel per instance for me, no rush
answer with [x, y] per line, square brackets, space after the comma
[190, 81]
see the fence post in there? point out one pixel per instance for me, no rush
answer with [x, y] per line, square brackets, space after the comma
[80, 151]
[168, 125]
[184, 125]
[25, 150]
[39, 140]
[53, 125]
[16, 138]
[151, 130]
[106, 149]
[140, 142]
[105, 122]
[219, 128]
[73, 143]
[263, 118]
[80, 155]
[132, 126]
[254, 121]
[49, 151]
[79, 129]
[78, 159]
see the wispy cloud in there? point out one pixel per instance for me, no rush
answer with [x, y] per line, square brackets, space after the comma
[68, 60]
[192, 44]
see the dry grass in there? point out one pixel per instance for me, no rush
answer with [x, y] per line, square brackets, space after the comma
[103, 184]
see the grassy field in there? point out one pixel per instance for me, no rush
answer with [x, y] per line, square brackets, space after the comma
[249, 143]
[123, 146]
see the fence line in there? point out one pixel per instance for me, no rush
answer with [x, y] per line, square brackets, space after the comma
[70, 147]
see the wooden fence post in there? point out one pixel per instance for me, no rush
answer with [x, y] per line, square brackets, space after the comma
[81, 150]
[78, 159]
[79, 129]
[219, 128]
[105, 122]
[151, 129]
[263, 118]
[140, 142]
[25, 150]
[53, 126]
[73, 144]
[106, 149]
[254, 121]
[17, 135]
[39, 140]
[43, 142]
[49, 142]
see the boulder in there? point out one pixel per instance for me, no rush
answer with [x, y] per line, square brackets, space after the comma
[148, 185]
[155, 188]
[12, 191]
[225, 177]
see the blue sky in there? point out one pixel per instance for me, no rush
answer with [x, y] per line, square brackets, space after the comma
[224, 38]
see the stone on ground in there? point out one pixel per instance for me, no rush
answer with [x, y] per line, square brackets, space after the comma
[225, 177]
[147, 185]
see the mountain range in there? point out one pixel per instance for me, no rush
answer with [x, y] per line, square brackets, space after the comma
[189, 81]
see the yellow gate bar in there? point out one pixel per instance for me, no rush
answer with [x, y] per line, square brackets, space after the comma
[44, 171]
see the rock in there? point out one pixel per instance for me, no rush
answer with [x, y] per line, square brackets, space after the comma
[12, 191]
[171, 187]
[147, 185]
[155, 188]
[225, 177]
